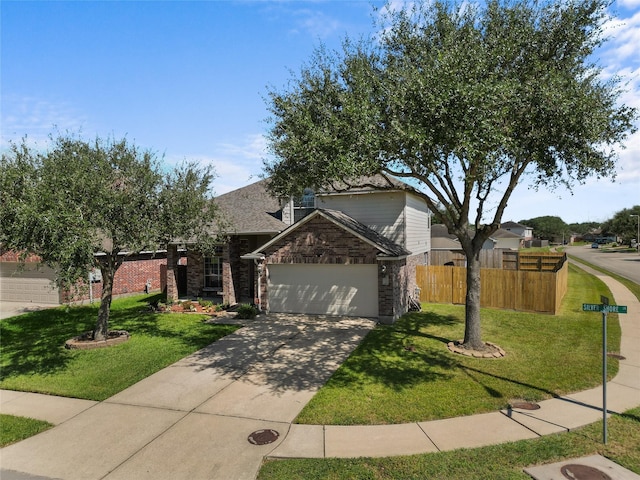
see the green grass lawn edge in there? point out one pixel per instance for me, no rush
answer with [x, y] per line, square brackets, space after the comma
[13, 428]
[497, 462]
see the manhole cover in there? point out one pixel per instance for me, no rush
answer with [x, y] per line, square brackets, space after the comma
[263, 437]
[583, 472]
[616, 355]
[525, 405]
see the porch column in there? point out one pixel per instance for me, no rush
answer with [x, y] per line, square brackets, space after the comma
[172, 272]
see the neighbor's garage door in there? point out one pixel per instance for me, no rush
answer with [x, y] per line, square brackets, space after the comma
[350, 290]
[30, 284]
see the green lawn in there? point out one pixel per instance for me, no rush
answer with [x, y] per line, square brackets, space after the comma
[405, 373]
[499, 462]
[13, 429]
[33, 357]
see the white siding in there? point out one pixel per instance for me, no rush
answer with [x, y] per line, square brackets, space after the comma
[380, 211]
[418, 221]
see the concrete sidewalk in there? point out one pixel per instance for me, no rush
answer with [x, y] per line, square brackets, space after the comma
[192, 420]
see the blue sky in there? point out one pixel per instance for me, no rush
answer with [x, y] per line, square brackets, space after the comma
[189, 80]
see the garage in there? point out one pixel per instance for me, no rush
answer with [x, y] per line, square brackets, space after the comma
[27, 283]
[320, 289]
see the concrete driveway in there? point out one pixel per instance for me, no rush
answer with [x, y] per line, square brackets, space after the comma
[193, 419]
[11, 309]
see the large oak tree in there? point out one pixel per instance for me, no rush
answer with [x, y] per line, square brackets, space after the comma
[83, 205]
[465, 102]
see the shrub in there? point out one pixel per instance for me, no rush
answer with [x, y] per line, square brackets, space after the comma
[246, 311]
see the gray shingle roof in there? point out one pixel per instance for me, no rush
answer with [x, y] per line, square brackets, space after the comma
[250, 209]
[366, 184]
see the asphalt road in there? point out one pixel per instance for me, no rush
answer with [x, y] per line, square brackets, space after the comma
[625, 264]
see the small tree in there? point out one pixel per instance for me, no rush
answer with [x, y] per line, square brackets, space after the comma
[464, 102]
[85, 205]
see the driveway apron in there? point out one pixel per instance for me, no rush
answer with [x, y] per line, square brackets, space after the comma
[193, 419]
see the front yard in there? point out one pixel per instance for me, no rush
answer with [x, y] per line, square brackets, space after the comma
[33, 357]
[404, 372]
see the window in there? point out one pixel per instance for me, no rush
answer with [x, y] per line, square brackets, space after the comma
[213, 272]
[304, 205]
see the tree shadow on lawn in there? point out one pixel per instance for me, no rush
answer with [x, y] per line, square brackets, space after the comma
[402, 355]
[34, 342]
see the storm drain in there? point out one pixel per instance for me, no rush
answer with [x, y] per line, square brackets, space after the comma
[263, 437]
[525, 405]
[583, 472]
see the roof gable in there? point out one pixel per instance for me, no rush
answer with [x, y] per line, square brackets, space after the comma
[386, 247]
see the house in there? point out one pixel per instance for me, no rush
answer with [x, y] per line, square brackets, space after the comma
[446, 248]
[30, 281]
[344, 251]
[526, 233]
[506, 240]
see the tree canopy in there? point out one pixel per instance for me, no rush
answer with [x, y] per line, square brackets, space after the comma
[624, 224]
[466, 102]
[83, 205]
[547, 227]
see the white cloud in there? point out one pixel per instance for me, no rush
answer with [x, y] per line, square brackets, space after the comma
[36, 118]
[236, 164]
[317, 24]
[629, 3]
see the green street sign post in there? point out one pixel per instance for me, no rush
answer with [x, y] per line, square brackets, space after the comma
[604, 308]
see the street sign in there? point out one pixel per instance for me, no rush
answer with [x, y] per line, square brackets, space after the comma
[604, 308]
[591, 307]
[614, 309]
[598, 307]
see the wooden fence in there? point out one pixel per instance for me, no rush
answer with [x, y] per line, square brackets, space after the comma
[502, 258]
[525, 289]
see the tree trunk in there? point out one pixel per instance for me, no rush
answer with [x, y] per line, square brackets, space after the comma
[472, 331]
[101, 331]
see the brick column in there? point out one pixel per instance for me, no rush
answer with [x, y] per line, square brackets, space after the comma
[172, 272]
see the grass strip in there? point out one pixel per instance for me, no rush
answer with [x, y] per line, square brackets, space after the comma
[13, 429]
[631, 285]
[33, 357]
[499, 462]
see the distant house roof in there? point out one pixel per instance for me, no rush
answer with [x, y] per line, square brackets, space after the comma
[250, 210]
[502, 233]
[441, 239]
[508, 225]
[387, 247]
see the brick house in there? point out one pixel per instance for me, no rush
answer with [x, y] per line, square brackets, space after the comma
[32, 281]
[340, 252]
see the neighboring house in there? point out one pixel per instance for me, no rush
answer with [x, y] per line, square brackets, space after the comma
[506, 240]
[526, 233]
[446, 248]
[32, 281]
[331, 252]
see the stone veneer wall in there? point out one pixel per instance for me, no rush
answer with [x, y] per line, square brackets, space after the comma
[394, 291]
[321, 241]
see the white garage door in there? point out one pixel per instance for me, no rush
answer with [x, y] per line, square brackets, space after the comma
[350, 290]
[30, 284]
